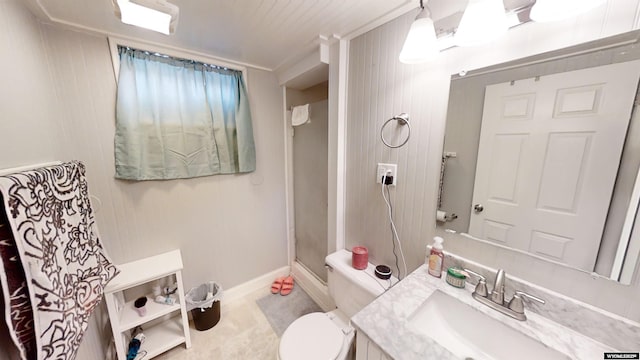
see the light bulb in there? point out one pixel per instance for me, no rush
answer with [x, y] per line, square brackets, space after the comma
[421, 43]
[483, 21]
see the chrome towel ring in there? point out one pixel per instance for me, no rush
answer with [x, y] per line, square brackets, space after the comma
[402, 119]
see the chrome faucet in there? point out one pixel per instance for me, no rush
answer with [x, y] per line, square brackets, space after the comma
[495, 298]
[497, 294]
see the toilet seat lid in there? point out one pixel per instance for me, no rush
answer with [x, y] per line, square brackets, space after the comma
[312, 336]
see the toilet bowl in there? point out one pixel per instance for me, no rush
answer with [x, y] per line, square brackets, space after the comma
[317, 336]
[324, 336]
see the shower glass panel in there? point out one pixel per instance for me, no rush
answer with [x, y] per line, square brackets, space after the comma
[310, 189]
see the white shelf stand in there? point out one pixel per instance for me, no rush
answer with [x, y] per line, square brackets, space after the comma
[162, 336]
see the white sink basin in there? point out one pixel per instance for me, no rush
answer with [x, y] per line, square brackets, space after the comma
[470, 334]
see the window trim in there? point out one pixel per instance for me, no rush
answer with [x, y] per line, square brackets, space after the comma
[114, 42]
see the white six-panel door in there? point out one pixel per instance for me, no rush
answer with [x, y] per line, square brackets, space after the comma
[548, 158]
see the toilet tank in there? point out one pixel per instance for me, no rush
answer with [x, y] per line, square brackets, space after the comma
[352, 289]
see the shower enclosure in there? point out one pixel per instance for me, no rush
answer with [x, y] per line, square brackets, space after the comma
[310, 177]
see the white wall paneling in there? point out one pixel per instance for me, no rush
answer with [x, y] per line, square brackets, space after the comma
[379, 88]
[27, 99]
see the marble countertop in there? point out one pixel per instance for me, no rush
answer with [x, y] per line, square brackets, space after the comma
[385, 322]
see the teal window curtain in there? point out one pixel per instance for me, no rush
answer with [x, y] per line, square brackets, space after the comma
[180, 119]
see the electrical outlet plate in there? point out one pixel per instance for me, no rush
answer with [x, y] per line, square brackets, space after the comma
[383, 168]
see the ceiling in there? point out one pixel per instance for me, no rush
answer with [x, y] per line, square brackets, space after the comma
[261, 33]
[267, 34]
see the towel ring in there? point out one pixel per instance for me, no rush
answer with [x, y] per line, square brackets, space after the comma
[402, 119]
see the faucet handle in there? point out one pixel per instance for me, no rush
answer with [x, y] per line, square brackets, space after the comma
[516, 303]
[481, 286]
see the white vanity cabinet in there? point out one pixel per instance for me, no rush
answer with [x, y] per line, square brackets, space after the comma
[165, 326]
[367, 349]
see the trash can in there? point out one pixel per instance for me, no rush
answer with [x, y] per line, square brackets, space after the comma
[204, 303]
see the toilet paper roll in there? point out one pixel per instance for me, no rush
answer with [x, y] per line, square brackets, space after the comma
[441, 216]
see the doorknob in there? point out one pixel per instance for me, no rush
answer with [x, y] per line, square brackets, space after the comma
[478, 208]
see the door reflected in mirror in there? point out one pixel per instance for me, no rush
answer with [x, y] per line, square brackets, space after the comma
[548, 152]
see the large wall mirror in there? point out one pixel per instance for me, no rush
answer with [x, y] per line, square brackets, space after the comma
[542, 155]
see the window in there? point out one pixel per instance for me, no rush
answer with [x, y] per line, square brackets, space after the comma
[178, 118]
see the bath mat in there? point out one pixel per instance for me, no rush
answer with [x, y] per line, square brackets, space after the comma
[283, 310]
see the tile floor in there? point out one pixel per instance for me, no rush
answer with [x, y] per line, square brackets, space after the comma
[242, 333]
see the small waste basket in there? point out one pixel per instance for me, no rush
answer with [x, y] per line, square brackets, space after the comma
[204, 303]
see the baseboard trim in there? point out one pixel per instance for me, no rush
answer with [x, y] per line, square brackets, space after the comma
[242, 290]
[318, 291]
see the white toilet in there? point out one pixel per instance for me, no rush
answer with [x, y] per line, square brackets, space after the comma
[325, 336]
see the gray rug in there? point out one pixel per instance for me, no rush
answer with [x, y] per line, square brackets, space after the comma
[283, 310]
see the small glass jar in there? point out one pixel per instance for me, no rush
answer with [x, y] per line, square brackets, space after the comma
[456, 277]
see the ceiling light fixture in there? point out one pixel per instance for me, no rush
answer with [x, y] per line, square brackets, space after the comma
[156, 15]
[483, 21]
[554, 10]
[421, 43]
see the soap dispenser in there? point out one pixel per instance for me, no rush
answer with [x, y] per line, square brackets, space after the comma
[436, 257]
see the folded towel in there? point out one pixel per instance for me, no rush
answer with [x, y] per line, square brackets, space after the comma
[300, 115]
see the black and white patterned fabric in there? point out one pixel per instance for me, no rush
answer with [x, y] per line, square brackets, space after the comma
[18, 310]
[64, 264]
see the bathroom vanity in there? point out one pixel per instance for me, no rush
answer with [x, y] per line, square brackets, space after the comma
[423, 317]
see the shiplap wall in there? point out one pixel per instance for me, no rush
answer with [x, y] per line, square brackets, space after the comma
[230, 228]
[218, 221]
[380, 87]
[58, 103]
[26, 95]
[26, 101]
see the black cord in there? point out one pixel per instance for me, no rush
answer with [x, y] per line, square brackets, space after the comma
[393, 241]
